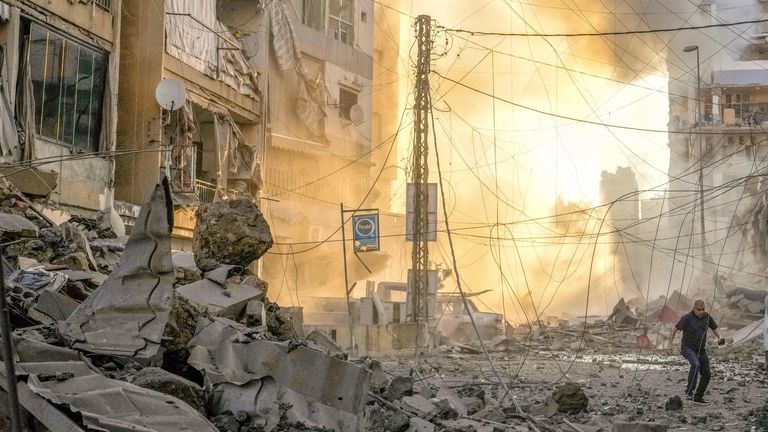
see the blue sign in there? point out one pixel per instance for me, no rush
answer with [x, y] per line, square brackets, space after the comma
[366, 232]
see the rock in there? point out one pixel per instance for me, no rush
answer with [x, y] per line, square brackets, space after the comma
[698, 419]
[397, 422]
[638, 427]
[399, 386]
[73, 261]
[153, 378]
[444, 410]
[419, 425]
[230, 232]
[473, 405]
[226, 423]
[110, 223]
[570, 398]
[448, 395]
[419, 404]
[184, 268]
[674, 404]
[492, 413]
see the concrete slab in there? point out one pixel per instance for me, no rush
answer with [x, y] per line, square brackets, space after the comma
[639, 427]
[127, 314]
[15, 226]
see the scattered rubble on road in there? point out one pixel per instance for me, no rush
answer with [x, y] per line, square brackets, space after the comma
[118, 333]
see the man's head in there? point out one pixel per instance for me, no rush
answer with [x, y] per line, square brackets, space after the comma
[698, 308]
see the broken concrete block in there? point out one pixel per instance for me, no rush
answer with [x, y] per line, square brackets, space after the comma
[157, 379]
[397, 422]
[320, 388]
[256, 403]
[106, 404]
[126, 315]
[225, 299]
[419, 425]
[399, 387]
[73, 261]
[570, 398]
[638, 427]
[674, 404]
[111, 225]
[492, 413]
[15, 226]
[230, 232]
[53, 306]
[450, 396]
[755, 307]
[184, 268]
[325, 342]
[419, 404]
[472, 404]
[255, 313]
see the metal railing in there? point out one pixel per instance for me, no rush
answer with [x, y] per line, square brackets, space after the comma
[205, 191]
[104, 4]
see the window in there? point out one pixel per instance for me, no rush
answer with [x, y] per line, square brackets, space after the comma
[363, 17]
[340, 21]
[347, 99]
[68, 87]
[335, 17]
[313, 14]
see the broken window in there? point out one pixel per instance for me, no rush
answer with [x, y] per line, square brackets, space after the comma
[68, 87]
[347, 99]
[340, 21]
[313, 13]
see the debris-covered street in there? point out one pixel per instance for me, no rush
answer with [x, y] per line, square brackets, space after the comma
[383, 216]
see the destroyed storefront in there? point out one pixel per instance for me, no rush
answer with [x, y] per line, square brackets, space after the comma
[58, 100]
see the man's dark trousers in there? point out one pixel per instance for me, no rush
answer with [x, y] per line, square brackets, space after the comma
[699, 366]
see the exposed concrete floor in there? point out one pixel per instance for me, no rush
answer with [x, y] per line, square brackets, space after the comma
[628, 387]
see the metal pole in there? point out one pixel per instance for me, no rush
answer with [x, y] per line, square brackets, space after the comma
[10, 367]
[346, 283]
[701, 156]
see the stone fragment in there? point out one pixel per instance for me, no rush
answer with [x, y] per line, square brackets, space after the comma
[157, 379]
[73, 261]
[419, 404]
[492, 413]
[255, 313]
[399, 386]
[639, 427]
[699, 419]
[674, 404]
[448, 395]
[420, 425]
[230, 232]
[472, 404]
[397, 422]
[570, 398]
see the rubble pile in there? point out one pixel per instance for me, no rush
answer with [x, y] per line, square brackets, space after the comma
[147, 339]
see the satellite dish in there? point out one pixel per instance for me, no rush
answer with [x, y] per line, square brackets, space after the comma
[171, 94]
[356, 115]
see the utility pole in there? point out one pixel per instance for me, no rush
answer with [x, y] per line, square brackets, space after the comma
[420, 252]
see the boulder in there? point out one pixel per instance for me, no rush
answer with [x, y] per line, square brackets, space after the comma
[230, 232]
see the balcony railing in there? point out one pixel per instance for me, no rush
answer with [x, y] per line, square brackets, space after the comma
[205, 191]
[104, 4]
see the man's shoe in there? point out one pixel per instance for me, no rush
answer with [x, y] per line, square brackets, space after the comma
[699, 399]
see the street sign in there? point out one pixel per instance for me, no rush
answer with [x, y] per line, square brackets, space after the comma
[366, 232]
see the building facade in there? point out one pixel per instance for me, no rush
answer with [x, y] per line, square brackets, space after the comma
[60, 64]
[210, 147]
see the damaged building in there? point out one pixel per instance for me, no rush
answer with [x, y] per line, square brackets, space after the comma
[210, 147]
[60, 63]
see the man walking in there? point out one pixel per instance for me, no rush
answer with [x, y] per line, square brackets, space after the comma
[694, 326]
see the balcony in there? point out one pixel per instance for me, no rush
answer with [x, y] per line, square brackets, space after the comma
[205, 191]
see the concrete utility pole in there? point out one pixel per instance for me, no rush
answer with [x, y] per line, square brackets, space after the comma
[420, 252]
